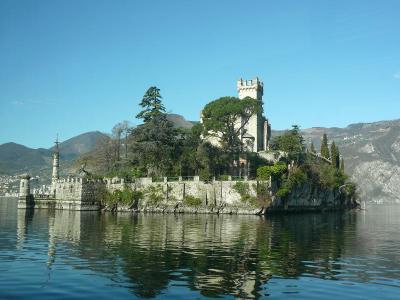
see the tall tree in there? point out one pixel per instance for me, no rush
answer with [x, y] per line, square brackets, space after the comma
[154, 145]
[291, 142]
[333, 153]
[116, 134]
[226, 118]
[151, 104]
[189, 140]
[337, 158]
[324, 147]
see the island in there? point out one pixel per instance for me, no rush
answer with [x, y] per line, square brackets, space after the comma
[226, 163]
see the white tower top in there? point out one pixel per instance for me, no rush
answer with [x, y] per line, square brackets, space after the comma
[253, 88]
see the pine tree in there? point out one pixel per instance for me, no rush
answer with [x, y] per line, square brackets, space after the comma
[152, 105]
[312, 148]
[324, 147]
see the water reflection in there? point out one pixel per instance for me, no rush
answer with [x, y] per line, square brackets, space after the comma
[153, 254]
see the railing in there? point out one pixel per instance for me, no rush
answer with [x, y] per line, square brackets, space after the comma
[318, 156]
[172, 179]
[157, 179]
[231, 178]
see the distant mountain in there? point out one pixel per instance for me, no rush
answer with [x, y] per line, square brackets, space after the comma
[79, 144]
[16, 159]
[372, 156]
[179, 121]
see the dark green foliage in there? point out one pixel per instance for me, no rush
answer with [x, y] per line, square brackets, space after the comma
[127, 172]
[297, 177]
[275, 171]
[223, 177]
[211, 160]
[154, 194]
[187, 143]
[326, 175]
[192, 201]
[291, 142]
[124, 197]
[153, 146]
[151, 104]
[342, 165]
[335, 155]
[220, 117]
[324, 147]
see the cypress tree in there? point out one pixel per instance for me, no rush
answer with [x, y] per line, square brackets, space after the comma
[342, 165]
[335, 156]
[337, 159]
[324, 147]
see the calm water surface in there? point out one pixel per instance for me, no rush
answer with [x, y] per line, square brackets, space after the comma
[73, 255]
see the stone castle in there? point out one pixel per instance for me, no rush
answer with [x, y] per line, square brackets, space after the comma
[82, 193]
[256, 133]
[217, 196]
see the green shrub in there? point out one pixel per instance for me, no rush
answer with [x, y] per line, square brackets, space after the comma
[128, 196]
[297, 177]
[154, 193]
[283, 191]
[351, 190]
[275, 171]
[223, 177]
[205, 175]
[125, 197]
[192, 201]
[243, 189]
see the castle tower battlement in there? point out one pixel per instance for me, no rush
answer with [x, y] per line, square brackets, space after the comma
[253, 88]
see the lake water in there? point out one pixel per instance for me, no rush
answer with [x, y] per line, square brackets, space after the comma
[74, 255]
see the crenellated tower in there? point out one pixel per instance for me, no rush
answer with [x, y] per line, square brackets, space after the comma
[257, 130]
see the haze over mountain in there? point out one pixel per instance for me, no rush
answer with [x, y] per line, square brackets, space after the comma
[371, 152]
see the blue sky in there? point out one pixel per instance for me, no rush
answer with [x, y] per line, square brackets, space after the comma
[70, 67]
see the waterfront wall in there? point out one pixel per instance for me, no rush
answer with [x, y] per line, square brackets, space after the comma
[172, 196]
[190, 195]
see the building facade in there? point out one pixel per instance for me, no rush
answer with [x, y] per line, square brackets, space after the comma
[257, 131]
